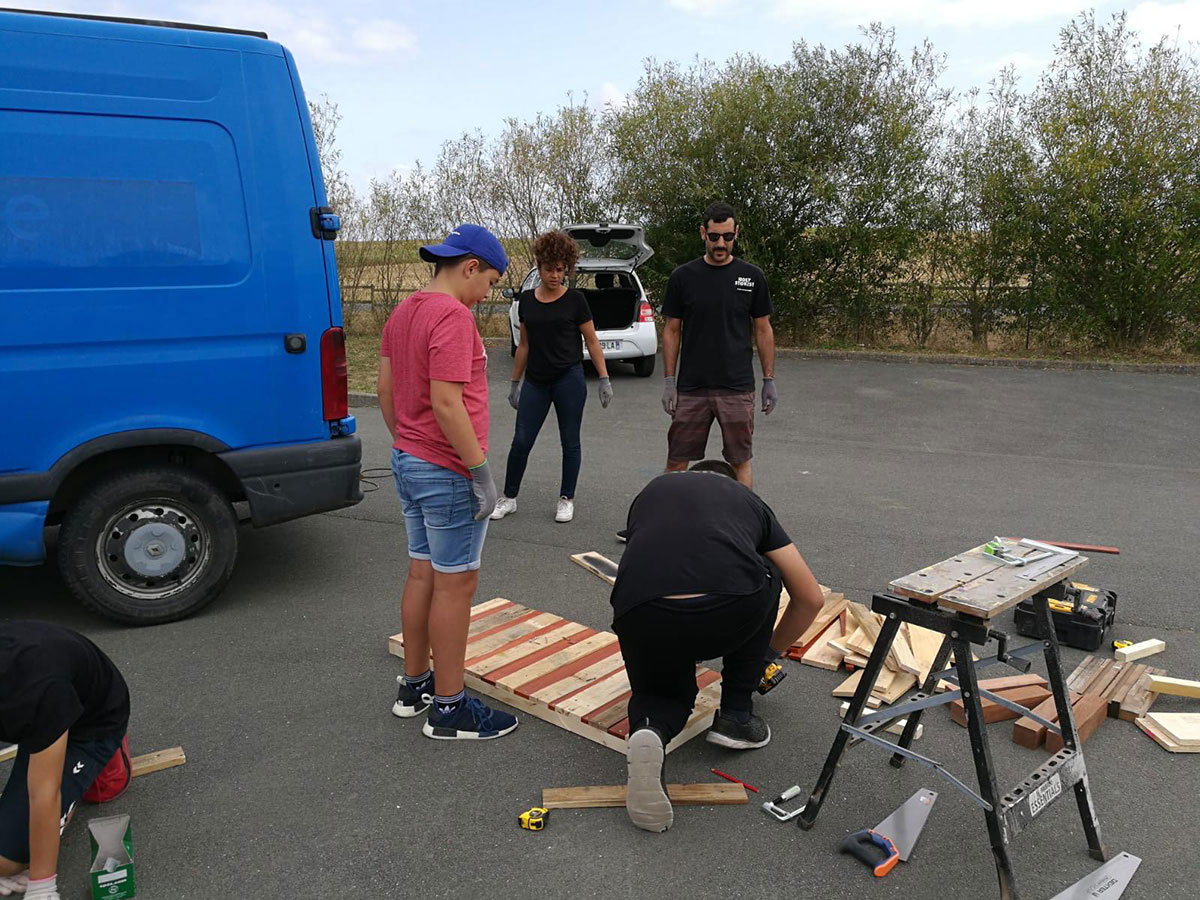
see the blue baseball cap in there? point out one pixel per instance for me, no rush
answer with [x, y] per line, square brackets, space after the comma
[464, 239]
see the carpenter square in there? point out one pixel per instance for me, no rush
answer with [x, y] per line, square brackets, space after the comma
[905, 824]
[1109, 881]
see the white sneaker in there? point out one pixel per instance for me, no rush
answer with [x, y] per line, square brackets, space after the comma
[505, 506]
[565, 511]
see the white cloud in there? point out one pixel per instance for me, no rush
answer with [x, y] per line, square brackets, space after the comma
[383, 36]
[956, 13]
[703, 8]
[611, 95]
[1153, 20]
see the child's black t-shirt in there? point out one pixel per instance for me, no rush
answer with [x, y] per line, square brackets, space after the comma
[53, 680]
[695, 533]
[552, 330]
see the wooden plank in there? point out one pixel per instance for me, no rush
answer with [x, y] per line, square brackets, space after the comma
[1119, 690]
[488, 606]
[1031, 734]
[157, 761]
[611, 715]
[1176, 687]
[609, 796]
[934, 581]
[496, 618]
[988, 596]
[490, 626]
[520, 651]
[8, 753]
[823, 655]
[1104, 683]
[596, 696]
[1139, 698]
[1146, 724]
[1089, 712]
[1183, 728]
[900, 685]
[1140, 650]
[575, 682]
[1028, 696]
[511, 635]
[925, 643]
[882, 684]
[835, 605]
[1006, 682]
[598, 564]
[537, 670]
[1083, 673]
[899, 656]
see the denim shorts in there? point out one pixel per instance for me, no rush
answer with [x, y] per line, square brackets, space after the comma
[439, 514]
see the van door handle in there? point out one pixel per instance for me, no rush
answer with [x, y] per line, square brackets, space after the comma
[295, 343]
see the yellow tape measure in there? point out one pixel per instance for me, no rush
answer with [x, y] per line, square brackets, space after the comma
[534, 818]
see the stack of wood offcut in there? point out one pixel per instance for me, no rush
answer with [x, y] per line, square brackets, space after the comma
[843, 635]
[1099, 689]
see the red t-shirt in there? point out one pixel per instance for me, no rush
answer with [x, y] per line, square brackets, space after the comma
[431, 336]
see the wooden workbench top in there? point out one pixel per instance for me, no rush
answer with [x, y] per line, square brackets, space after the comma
[980, 585]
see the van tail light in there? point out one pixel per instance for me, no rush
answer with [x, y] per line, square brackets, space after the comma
[334, 402]
[645, 313]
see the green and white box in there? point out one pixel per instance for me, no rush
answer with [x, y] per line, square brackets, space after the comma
[112, 858]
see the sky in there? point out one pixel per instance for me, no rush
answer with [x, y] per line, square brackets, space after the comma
[407, 76]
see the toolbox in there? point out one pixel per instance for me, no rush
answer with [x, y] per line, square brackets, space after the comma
[1081, 618]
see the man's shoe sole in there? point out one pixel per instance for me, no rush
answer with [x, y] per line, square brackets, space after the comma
[407, 712]
[732, 743]
[646, 800]
[453, 734]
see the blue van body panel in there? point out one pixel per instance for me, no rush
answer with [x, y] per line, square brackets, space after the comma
[21, 526]
[156, 186]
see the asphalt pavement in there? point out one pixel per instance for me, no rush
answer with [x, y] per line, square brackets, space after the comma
[300, 784]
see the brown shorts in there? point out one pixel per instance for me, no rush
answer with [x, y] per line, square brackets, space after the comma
[694, 414]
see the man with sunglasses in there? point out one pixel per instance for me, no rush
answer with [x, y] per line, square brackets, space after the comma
[713, 307]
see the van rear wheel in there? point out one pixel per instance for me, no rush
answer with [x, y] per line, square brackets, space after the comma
[643, 366]
[148, 545]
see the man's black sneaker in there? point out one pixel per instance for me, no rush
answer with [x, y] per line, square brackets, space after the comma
[736, 735]
[646, 799]
[623, 535]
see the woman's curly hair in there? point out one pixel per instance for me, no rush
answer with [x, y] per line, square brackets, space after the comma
[556, 247]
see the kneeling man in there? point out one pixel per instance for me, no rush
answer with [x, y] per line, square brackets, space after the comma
[700, 579]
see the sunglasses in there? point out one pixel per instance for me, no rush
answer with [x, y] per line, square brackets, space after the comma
[715, 236]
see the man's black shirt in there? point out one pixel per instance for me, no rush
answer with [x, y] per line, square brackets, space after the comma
[54, 680]
[716, 304]
[552, 331]
[695, 533]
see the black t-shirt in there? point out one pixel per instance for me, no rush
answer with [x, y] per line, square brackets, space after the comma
[552, 330]
[695, 533]
[54, 680]
[716, 304]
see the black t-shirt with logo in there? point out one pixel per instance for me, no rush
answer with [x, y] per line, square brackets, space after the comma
[695, 533]
[53, 680]
[552, 330]
[716, 304]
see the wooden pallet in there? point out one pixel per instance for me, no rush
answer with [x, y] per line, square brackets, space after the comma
[1127, 686]
[560, 671]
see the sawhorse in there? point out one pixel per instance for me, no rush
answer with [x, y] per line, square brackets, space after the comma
[1007, 814]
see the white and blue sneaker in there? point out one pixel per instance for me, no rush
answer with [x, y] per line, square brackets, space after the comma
[412, 701]
[471, 720]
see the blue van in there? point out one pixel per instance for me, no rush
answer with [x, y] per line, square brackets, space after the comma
[170, 340]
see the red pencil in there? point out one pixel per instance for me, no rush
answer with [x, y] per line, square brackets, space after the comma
[748, 787]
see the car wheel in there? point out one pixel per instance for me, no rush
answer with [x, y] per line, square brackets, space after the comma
[148, 545]
[643, 366]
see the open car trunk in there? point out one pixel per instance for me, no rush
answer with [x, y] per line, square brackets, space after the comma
[612, 298]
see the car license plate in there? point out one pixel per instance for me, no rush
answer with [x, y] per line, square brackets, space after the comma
[610, 345]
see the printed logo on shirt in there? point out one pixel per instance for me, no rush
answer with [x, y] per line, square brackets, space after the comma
[78, 768]
[744, 283]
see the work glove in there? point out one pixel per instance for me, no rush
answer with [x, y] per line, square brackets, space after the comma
[769, 396]
[484, 488]
[42, 889]
[13, 884]
[606, 394]
[514, 394]
[670, 396]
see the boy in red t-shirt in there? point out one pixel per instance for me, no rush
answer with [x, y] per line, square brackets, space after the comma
[433, 395]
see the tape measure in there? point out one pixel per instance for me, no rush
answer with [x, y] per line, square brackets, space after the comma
[534, 818]
[774, 674]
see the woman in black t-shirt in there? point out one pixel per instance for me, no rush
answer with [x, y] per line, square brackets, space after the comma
[553, 317]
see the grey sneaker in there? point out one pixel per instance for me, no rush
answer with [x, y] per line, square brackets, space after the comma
[505, 506]
[739, 735]
[646, 799]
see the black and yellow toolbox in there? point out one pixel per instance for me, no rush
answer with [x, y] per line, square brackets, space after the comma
[1081, 618]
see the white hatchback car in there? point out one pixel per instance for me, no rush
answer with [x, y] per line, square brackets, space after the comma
[623, 317]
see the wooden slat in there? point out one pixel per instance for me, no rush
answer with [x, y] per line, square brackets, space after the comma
[157, 761]
[1007, 682]
[511, 635]
[537, 670]
[1084, 673]
[598, 564]
[501, 623]
[1119, 689]
[1028, 696]
[1140, 697]
[617, 710]
[597, 696]
[1002, 589]
[519, 651]
[821, 654]
[608, 796]
[1031, 734]
[573, 683]
[934, 581]
[8, 753]
[1140, 650]
[495, 617]
[1183, 728]
[524, 663]
[835, 605]
[488, 606]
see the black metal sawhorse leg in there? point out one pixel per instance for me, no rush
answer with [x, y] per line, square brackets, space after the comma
[1006, 815]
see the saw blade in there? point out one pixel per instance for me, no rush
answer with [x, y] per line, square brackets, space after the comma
[905, 824]
[1109, 881]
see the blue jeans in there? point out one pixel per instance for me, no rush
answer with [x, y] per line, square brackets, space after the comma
[439, 514]
[568, 394]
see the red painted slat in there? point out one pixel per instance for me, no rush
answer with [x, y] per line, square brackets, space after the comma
[579, 690]
[532, 687]
[516, 642]
[501, 627]
[530, 658]
[599, 709]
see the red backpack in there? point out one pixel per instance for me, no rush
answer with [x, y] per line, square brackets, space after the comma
[113, 778]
